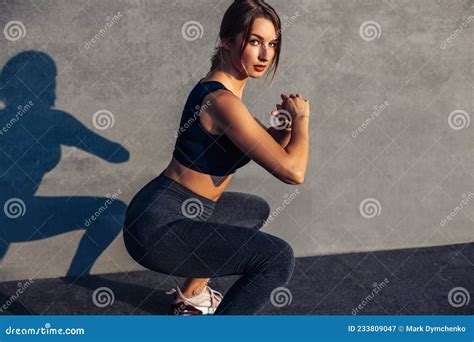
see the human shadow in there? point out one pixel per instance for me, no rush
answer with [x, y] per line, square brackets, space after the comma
[31, 134]
[138, 297]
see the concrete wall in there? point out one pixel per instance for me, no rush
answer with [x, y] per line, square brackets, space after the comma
[390, 84]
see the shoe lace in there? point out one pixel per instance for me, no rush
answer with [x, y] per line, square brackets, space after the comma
[216, 296]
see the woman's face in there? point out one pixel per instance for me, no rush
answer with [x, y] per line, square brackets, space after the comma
[260, 49]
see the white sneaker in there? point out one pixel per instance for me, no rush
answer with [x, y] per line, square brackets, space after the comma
[204, 303]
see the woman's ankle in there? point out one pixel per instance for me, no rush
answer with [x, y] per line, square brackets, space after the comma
[194, 292]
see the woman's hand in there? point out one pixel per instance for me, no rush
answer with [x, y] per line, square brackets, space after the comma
[290, 108]
[281, 118]
[296, 105]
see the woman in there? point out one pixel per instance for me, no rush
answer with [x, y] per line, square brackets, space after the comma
[183, 222]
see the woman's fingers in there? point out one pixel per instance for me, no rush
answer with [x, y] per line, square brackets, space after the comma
[285, 101]
[276, 112]
[294, 103]
[292, 96]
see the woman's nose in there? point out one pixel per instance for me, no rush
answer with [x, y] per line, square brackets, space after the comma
[263, 53]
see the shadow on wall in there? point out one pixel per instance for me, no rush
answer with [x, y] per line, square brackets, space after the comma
[31, 134]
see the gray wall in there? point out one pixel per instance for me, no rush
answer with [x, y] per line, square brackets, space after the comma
[391, 138]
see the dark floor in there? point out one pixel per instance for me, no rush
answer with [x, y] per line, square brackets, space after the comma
[419, 281]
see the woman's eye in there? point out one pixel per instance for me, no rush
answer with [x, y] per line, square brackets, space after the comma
[273, 45]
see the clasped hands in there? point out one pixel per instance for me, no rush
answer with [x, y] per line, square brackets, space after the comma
[291, 107]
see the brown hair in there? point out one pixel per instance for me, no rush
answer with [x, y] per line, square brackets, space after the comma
[239, 17]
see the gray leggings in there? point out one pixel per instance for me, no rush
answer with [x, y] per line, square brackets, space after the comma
[172, 230]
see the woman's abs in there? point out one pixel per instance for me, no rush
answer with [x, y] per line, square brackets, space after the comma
[203, 184]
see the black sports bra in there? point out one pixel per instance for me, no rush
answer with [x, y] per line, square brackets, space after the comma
[195, 147]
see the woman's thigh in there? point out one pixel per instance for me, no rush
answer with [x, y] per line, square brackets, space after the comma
[240, 209]
[189, 248]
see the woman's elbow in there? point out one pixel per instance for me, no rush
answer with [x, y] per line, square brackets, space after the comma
[293, 178]
[298, 178]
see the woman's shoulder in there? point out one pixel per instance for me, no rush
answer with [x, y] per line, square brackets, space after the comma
[222, 105]
[222, 100]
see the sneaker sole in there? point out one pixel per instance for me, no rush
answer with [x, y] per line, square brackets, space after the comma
[205, 310]
[184, 310]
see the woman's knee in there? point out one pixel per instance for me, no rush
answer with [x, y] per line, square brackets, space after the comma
[287, 261]
[281, 259]
[260, 205]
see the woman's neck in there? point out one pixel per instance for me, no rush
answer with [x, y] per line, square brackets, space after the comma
[230, 81]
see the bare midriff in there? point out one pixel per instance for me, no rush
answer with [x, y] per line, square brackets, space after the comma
[203, 184]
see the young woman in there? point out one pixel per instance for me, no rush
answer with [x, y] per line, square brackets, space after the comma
[183, 222]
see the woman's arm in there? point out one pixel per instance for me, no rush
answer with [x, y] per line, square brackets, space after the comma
[287, 164]
[281, 136]
[73, 133]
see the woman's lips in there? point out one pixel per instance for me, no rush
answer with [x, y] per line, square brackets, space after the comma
[259, 67]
